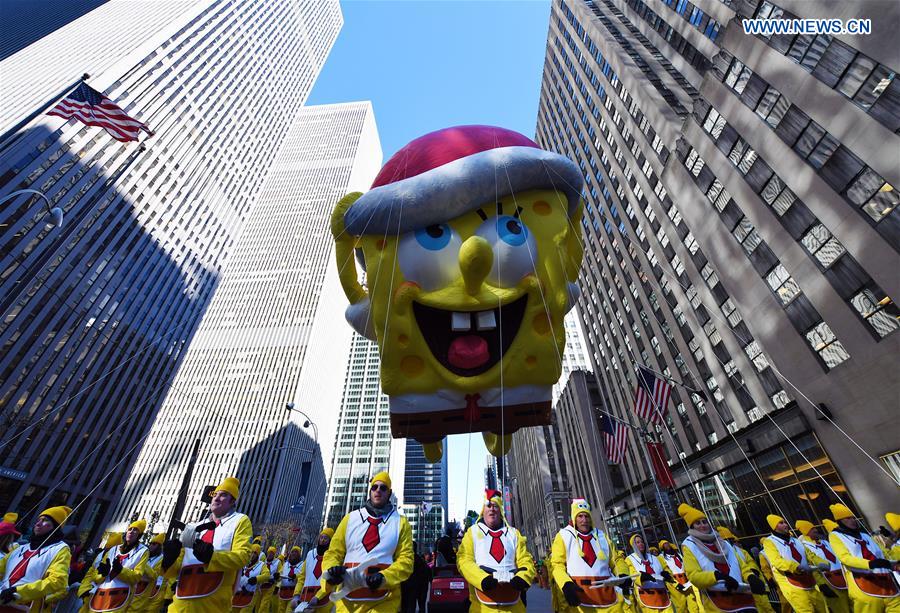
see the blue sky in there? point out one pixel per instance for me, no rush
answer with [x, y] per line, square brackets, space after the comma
[433, 64]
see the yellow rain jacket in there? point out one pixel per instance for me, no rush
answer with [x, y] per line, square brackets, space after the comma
[783, 570]
[862, 602]
[54, 580]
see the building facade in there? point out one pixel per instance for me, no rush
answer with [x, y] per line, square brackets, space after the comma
[97, 313]
[741, 238]
[426, 483]
[245, 362]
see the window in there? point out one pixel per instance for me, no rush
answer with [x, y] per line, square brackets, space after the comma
[822, 245]
[746, 235]
[731, 313]
[782, 284]
[824, 343]
[880, 313]
[756, 356]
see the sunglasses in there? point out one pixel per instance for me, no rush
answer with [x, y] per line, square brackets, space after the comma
[379, 487]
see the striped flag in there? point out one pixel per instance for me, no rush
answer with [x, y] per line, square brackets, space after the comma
[615, 438]
[651, 398]
[93, 108]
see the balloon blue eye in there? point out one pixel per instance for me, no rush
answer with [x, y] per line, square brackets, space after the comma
[434, 238]
[511, 231]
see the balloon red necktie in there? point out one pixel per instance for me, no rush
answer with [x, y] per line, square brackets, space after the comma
[866, 553]
[371, 537]
[317, 569]
[794, 553]
[497, 550]
[827, 552]
[208, 535]
[587, 549]
[720, 566]
[19, 571]
[677, 561]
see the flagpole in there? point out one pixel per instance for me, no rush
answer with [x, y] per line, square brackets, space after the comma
[676, 382]
[7, 138]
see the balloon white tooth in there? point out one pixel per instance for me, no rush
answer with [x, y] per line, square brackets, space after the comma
[487, 320]
[461, 322]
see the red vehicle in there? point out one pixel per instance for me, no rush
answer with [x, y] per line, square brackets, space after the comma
[449, 591]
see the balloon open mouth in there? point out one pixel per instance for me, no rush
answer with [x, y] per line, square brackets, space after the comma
[469, 343]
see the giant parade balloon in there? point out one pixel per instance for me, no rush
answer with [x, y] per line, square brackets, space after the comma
[469, 244]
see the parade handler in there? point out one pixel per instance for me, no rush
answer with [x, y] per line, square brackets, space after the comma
[206, 569]
[651, 593]
[829, 576]
[493, 558]
[680, 591]
[311, 573]
[376, 535]
[749, 565]
[790, 568]
[121, 573]
[582, 555]
[39, 568]
[247, 595]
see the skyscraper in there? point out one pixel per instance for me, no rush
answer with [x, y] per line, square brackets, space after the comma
[425, 489]
[741, 236]
[245, 363]
[96, 313]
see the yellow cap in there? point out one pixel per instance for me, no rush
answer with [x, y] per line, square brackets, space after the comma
[689, 514]
[495, 497]
[230, 485]
[255, 548]
[839, 512]
[803, 526]
[10, 518]
[893, 520]
[383, 477]
[281, 557]
[580, 505]
[159, 539]
[140, 524]
[257, 539]
[662, 544]
[270, 550]
[654, 551]
[57, 514]
[297, 549]
[725, 533]
[828, 524]
[773, 520]
[329, 532]
[114, 539]
[631, 541]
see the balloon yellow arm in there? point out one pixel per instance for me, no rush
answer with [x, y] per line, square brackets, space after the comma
[344, 244]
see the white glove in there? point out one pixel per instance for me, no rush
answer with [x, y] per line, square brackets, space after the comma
[74, 586]
[803, 568]
[189, 535]
[823, 566]
[354, 579]
[301, 607]
[503, 576]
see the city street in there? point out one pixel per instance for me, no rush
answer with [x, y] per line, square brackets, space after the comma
[538, 600]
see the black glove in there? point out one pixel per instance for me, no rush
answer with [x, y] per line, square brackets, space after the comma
[827, 592]
[731, 583]
[335, 575]
[277, 576]
[680, 588]
[885, 532]
[757, 586]
[626, 585]
[374, 580]
[667, 576]
[171, 550]
[252, 580]
[203, 551]
[646, 577]
[116, 569]
[103, 568]
[772, 585]
[571, 591]
[880, 563]
[519, 583]
[488, 583]
[8, 595]
[244, 590]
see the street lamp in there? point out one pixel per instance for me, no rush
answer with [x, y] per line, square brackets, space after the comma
[307, 421]
[55, 213]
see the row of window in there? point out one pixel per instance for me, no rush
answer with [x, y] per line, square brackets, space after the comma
[696, 17]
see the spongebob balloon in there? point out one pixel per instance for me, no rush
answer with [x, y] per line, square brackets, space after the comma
[470, 240]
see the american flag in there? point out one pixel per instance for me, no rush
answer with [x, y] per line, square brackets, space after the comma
[93, 108]
[615, 438]
[651, 396]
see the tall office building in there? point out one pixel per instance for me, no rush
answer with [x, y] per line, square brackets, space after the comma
[245, 363]
[741, 237]
[425, 488]
[95, 315]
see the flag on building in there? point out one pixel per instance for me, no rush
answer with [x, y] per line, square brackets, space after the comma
[651, 397]
[660, 465]
[93, 108]
[615, 438]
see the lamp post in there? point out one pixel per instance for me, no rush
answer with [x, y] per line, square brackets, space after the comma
[55, 212]
[307, 423]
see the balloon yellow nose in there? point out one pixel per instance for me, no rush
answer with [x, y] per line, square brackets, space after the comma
[475, 260]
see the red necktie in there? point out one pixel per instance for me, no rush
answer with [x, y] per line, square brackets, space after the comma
[677, 561]
[827, 552]
[497, 550]
[317, 570]
[794, 553]
[868, 555]
[647, 568]
[19, 571]
[587, 549]
[371, 537]
[720, 566]
[247, 571]
[208, 535]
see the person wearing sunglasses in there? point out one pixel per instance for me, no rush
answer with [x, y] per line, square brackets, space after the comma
[375, 534]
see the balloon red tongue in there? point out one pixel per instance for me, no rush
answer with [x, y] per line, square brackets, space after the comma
[468, 351]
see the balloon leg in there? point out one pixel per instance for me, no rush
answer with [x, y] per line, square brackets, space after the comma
[433, 451]
[497, 445]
